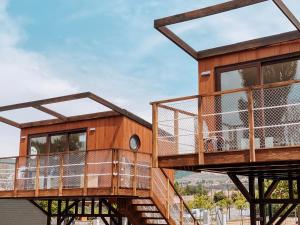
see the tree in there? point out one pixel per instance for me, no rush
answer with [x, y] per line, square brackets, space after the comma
[202, 201]
[240, 203]
[219, 196]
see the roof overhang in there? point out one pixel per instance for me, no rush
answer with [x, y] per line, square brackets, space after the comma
[59, 118]
[161, 26]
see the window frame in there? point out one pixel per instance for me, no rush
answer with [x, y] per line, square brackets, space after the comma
[255, 63]
[48, 137]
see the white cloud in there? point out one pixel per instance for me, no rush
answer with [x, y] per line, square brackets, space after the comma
[24, 76]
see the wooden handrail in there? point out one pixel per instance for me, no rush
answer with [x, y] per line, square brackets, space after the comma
[178, 195]
[211, 94]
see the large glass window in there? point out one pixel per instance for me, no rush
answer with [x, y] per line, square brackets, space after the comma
[239, 78]
[51, 143]
[77, 141]
[58, 143]
[281, 71]
[38, 145]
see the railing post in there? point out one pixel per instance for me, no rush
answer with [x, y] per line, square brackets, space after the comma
[181, 211]
[37, 176]
[134, 185]
[200, 131]
[85, 178]
[176, 130]
[151, 181]
[251, 126]
[16, 176]
[168, 198]
[61, 172]
[115, 172]
[154, 135]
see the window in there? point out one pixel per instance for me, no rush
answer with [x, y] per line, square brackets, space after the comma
[238, 78]
[77, 141]
[134, 142]
[38, 145]
[60, 142]
[234, 77]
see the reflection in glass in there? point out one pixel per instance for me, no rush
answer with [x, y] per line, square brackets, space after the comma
[77, 141]
[58, 143]
[238, 78]
[38, 145]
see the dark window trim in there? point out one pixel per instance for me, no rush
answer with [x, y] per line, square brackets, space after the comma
[49, 134]
[258, 63]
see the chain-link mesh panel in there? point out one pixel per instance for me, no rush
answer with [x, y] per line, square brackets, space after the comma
[126, 169]
[187, 217]
[175, 208]
[277, 116]
[177, 127]
[49, 171]
[225, 122]
[143, 167]
[7, 174]
[99, 169]
[26, 173]
[73, 169]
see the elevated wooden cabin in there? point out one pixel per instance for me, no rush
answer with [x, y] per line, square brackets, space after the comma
[90, 160]
[245, 118]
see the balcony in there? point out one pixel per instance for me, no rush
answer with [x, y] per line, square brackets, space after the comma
[255, 124]
[96, 173]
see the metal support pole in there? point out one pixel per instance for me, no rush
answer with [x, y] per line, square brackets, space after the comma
[261, 192]
[252, 197]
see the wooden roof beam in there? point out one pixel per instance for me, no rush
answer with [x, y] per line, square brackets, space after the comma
[70, 119]
[204, 12]
[285, 10]
[10, 122]
[51, 112]
[178, 41]
[245, 45]
[45, 101]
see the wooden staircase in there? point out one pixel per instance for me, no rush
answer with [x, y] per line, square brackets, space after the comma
[164, 206]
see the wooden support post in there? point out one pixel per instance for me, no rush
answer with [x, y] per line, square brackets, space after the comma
[168, 199]
[155, 135]
[252, 197]
[16, 177]
[181, 212]
[176, 131]
[85, 182]
[291, 188]
[61, 172]
[135, 173]
[83, 206]
[152, 181]
[286, 214]
[49, 210]
[93, 206]
[58, 212]
[251, 126]
[37, 176]
[200, 131]
[261, 192]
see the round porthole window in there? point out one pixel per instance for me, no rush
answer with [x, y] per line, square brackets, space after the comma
[134, 142]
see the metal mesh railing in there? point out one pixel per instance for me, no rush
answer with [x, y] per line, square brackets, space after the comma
[80, 169]
[224, 120]
[7, 173]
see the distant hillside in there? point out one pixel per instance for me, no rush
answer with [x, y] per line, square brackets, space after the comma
[181, 174]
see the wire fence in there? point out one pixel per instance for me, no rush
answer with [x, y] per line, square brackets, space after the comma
[222, 121]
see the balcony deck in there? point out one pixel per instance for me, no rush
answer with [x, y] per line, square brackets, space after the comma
[108, 172]
[247, 131]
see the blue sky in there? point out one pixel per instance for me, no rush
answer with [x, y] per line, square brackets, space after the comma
[55, 47]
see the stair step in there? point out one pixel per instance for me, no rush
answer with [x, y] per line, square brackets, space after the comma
[142, 204]
[153, 218]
